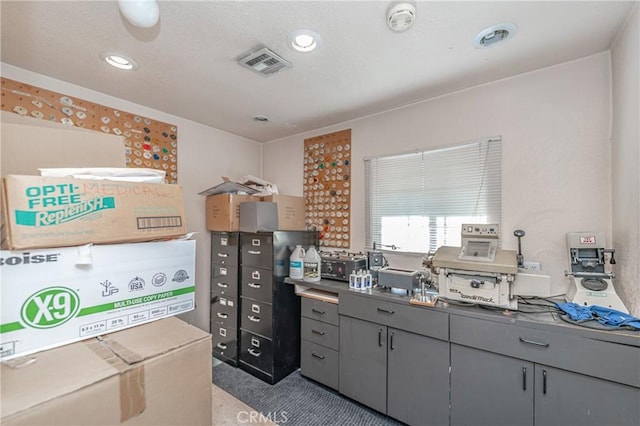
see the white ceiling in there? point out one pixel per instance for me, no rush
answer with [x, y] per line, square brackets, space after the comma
[188, 62]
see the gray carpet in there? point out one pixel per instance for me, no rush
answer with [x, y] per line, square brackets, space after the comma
[296, 400]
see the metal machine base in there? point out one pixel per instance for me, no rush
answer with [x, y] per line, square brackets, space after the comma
[594, 291]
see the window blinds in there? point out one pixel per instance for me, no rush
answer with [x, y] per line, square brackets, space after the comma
[419, 201]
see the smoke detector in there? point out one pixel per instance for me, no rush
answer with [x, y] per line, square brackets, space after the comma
[401, 17]
[493, 35]
[264, 62]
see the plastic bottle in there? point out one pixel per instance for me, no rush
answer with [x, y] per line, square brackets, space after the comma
[296, 268]
[352, 280]
[368, 280]
[311, 265]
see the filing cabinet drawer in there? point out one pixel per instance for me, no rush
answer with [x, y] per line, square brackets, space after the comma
[225, 341]
[319, 310]
[257, 250]
[224, 280]
[224, 312]
[321, 333]
[256, 351]
[256, 283]
[225, 248]
[409, 318]
[256, 317]
[320, 364]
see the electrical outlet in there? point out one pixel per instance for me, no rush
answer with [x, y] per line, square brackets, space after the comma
[531, 267]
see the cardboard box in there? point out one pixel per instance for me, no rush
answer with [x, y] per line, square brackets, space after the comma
[56, 212]
[223, 211]
[154, 374]
[51, 297]
[290, 212]
[258, 216]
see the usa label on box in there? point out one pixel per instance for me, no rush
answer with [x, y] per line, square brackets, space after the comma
[51, 297]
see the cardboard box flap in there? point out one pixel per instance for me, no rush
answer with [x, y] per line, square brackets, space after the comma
[134, 345]
[230, 188]
[36, 379]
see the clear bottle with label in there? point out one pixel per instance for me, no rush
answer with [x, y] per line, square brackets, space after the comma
[311, 265]
[296, 263]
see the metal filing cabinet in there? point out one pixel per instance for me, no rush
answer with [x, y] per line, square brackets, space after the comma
[225, 255]
[270, 310]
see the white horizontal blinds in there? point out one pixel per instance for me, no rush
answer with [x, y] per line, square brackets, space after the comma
[419, 201]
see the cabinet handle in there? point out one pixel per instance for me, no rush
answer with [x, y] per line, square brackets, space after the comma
[314, 310]
[313, 330]
[391, 341]
[220, 315]
[380, 337]
[532, 342]
[223, 255]
[223, 285]
[254, 318]
[253, 285]
[544, 382]
[317, 356]
[253, 352]
[256, 252]
[386, 311]
[221, 346]
[524, 378]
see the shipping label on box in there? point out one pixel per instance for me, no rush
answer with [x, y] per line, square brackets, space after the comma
[53, 212]
[51, 297]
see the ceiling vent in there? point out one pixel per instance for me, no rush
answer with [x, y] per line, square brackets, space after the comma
[265, 62]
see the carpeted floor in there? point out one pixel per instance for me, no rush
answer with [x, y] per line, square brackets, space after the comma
[296, 400]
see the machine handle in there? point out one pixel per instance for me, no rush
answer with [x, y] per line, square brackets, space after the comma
[321, 333]
[256, 252]
[532, 342]
[223, 285]
[254, 318]
[544, 382]
[317, 356]
[315, 311]
[221, 315]
[524, 378]
[223, 254]
[254, 285]
[380, 337]
[391, 341]
[386, 311]
[221, 346]
[253, 352]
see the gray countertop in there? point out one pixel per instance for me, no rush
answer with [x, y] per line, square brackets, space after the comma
[548, 321]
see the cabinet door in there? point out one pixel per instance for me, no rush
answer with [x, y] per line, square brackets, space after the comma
[564, 398]
[418, 379]
[363, 362]
[490, 389]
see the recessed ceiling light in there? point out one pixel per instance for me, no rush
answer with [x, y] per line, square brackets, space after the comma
[119, 61]
[493, 35]
[401, 17]
[303, 40]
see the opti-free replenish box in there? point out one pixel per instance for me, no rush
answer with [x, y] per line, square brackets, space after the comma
[56, 212]
[51, 297]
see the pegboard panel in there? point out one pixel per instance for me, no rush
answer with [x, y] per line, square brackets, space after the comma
[148, 143]
[327, 187]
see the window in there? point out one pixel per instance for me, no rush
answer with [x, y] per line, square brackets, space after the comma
[418, 201]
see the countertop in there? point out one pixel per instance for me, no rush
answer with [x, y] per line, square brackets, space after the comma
[548, 321]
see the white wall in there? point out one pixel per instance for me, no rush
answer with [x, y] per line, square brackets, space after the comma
[625, 162]
[204, 155]
[555, 125]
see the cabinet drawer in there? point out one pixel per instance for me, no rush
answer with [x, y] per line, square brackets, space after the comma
[319, 310]
[404, 317]
[256, 351]
[256, 317]
[320, 364]
[321, 333]
[606, 360]
[256, 283]
[224, 312]
[225, 341]
[257, 250]
[224, 280]
[225, 247]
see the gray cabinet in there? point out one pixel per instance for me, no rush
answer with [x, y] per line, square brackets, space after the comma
[320, 342]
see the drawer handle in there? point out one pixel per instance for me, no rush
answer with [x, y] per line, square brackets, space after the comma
[524, 378]
[254, 285]
[223, 255]
[544, 382]
[220, 315]
[313, 330]
[315, 311]
[391, 341]
[386, 311]
[221, 346]
[254, 352]
[533, 342]
[254, 318]
[380, 337]
[317, 356]
[223, 285]
[256, 252]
